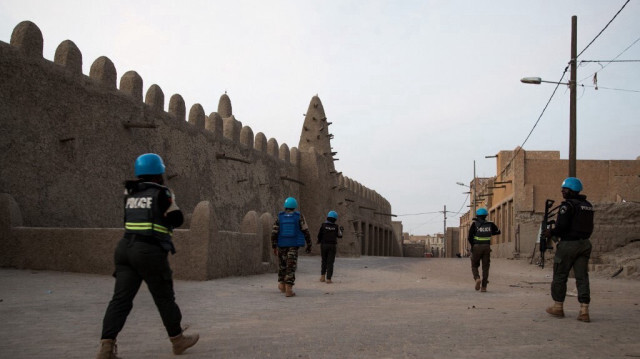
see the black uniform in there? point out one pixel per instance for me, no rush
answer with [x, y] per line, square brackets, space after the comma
[142, 255]
[328, 238]
[479, 237]
[574, 226]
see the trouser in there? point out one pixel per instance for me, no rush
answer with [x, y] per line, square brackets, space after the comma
[288, 262]
[481, 252]
[571, 254]
[136, 262]
[328, 252]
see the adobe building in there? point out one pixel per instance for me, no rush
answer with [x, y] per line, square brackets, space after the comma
[70, 140]
[515, 199]
[452, 243]
[424, 245]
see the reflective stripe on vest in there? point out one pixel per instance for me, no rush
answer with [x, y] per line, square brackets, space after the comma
[146, 226]
[142, 214]
[483, 232]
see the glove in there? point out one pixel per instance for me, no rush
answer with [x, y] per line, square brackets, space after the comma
[308, 250]
[173, 206]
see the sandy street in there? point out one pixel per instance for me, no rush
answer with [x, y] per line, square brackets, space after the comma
[377, 307]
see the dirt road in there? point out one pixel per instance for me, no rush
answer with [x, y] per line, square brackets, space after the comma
[377, 307]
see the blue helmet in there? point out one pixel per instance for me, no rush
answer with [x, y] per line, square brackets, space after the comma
[149, 164]
[332, 214]
[482, 212]
[572, 183]
[290, 203]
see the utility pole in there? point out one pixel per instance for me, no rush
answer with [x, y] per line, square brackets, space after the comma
[475, 189]
[444, 232]
[572, 100]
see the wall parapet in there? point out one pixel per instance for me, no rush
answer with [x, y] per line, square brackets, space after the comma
[28, 39]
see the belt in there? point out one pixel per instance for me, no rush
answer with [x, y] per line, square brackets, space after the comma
[138, 238]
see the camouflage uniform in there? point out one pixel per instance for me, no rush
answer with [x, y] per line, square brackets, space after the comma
[288, 256]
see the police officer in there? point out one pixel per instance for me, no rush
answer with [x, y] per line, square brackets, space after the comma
[150, 214]
[479, 238]
[574, 226]
[328, 239]
[290, 232]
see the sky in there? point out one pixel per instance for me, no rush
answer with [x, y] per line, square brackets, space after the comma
[416, 90]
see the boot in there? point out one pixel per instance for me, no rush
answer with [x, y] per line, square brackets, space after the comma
[556, 309]
[329, 281]
[289, 290]
[584, 313]
[322, 278]
[108, 349]
[281, 286]
[183, 342]
[483, 290]
[478, 283]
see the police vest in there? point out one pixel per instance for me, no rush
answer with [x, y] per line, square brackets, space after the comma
[329, 233]
[143, 215]
[483, 232]
[290, 234]
[582, 221]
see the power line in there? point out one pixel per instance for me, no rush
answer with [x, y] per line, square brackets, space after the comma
[417, 214]
[610, 88]
[422, 224]
[601, 31]
[614, 60]
[463, 203]
[558, 83]
[609, 61]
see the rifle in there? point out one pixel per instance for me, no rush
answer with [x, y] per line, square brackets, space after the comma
[546, 224]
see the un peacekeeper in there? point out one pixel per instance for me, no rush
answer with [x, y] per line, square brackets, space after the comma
[574, 226]
[479, 237]
[150, 215]
[328, 239]
[290, 232]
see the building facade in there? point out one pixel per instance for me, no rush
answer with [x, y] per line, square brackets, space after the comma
[429, 245]
[515, 199]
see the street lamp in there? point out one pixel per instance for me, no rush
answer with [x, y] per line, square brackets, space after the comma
[572, 94]
[538, 81]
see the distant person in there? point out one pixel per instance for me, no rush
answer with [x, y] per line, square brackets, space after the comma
[328, 239]
[479, 238]
[574, 226]
[150, 215]
[290, 232]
